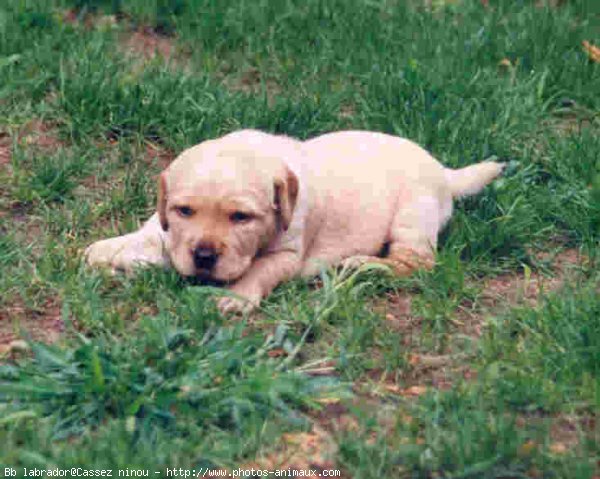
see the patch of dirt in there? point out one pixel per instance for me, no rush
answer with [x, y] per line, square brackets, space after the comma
[498, 293]
[74, 18]
[439, 372]
[302, 451]
[16, 210]
[40, 134]
[88, 20]
[18, 322]
[566, 430]
[517, 289]
[397, 309]
[5, 149]
[334, 416]
[151, 154]
[157, 155]
[571, 125]
[144, 41]
[29, 231]
[425, 372]
[550, 3]
[148, 44]
[249, 81]
[42, 138]
[42, 323]
[315, 449]
[37, 134]
[347, 111]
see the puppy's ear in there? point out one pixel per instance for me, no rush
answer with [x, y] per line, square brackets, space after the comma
[286, 194]
[161, 206]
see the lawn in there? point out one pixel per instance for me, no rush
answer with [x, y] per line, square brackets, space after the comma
[486, 367]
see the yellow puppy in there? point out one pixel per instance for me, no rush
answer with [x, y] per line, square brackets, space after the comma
[253, 209]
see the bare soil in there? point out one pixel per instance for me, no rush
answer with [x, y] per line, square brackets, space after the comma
[19, 321]
[148, 44]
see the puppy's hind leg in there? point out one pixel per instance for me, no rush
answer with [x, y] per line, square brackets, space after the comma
[124, 253]
[412, 237]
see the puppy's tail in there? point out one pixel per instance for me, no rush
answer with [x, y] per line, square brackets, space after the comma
[471, 180]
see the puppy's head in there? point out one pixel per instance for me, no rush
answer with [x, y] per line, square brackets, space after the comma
[222, 202]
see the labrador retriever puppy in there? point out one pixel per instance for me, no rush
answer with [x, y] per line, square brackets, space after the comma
[252, 209]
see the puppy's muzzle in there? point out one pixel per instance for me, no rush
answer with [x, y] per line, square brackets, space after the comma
[205, 258]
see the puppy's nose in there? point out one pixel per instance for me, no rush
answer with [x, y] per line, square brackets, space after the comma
[205, 258]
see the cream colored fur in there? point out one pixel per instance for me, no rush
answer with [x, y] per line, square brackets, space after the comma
[335, 199]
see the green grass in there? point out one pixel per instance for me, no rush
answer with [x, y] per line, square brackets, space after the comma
[148, 375]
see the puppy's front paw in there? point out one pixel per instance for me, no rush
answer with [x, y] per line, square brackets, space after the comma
[228, 305]
[125, 253]
[243, 302]
[106, 253]
[355, 262]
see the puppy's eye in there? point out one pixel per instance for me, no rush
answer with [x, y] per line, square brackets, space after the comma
[184, 211]
[240, 217]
